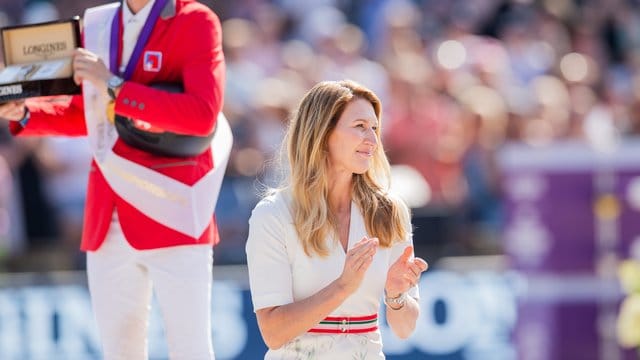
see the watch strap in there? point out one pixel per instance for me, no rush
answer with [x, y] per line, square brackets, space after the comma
[25, 119]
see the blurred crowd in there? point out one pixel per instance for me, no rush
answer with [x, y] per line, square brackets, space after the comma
[458, 80]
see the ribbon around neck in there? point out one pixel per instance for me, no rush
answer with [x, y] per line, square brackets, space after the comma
[115, 48]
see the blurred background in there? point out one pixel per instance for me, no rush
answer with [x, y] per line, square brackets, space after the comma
[512, 128]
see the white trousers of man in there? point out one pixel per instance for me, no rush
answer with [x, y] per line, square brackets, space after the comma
[121, 279]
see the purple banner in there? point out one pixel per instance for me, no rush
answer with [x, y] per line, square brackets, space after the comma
[572, 212]
[553, 196]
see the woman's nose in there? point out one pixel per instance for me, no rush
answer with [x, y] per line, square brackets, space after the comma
[371, 137]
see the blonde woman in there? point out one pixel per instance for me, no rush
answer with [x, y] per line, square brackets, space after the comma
[331, 243]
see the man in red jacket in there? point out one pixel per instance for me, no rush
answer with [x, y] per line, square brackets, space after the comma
[149, 212]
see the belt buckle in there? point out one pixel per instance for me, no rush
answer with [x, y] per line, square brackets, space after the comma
[344, 325]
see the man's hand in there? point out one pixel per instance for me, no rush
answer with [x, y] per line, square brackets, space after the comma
[88, 66]
[12, 110]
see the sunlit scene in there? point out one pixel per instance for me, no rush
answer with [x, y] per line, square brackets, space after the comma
[152, 135]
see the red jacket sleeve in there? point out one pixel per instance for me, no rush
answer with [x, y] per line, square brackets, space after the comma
[193, 112]
[56, 115]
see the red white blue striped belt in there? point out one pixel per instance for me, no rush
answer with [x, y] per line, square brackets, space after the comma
[346, 325]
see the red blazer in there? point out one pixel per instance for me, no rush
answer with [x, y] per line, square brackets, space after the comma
[188, 36]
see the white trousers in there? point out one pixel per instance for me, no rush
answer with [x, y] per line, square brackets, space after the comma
[121, 279]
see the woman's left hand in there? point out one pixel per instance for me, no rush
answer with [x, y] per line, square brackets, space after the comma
[404, 273]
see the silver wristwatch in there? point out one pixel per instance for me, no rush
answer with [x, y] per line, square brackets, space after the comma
[113, 83]
[396, 303]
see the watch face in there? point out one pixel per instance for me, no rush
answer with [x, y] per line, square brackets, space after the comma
[115, 81]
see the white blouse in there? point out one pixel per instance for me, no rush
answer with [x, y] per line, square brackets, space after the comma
[281, 273]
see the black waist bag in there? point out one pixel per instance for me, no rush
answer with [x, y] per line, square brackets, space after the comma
[164, 143]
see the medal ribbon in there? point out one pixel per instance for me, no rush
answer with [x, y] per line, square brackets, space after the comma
[115, 44]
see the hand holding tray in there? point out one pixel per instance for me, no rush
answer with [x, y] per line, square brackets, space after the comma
[38, 58]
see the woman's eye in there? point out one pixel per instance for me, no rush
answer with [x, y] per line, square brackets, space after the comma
[374, 128]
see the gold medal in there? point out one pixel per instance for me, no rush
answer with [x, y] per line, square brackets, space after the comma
[111, 111]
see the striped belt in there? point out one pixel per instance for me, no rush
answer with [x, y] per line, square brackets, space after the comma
[347, 325]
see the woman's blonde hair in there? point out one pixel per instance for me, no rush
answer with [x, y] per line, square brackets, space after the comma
[307, 148]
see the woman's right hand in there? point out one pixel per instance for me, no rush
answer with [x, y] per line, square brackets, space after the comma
[358, 260]
[12, 110]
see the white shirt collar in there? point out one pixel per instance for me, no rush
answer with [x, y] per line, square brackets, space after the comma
[141, 16]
